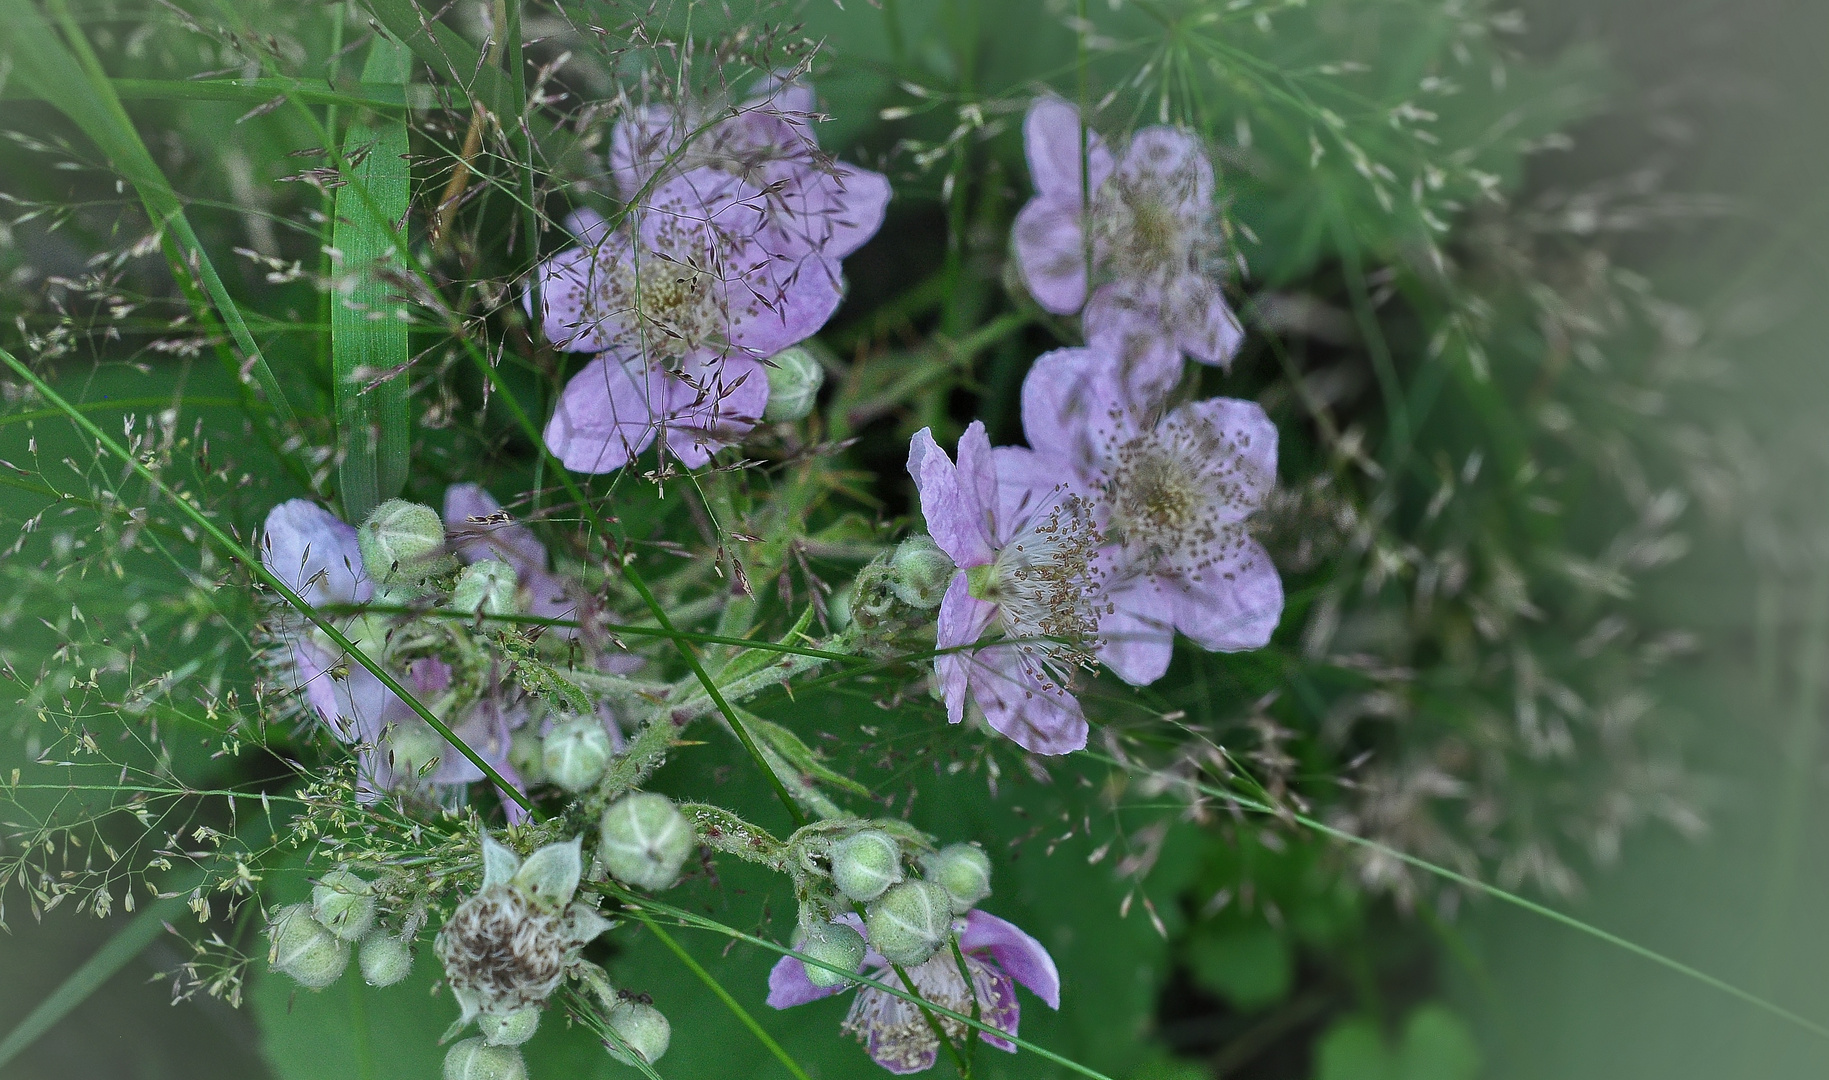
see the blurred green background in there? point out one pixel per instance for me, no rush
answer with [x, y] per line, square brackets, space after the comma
[1719, 98]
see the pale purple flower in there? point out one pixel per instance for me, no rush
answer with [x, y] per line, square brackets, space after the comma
[998, 956]
[1155, 241]
[315, 553]
[682, 303]
[1027, 585]
[769, 141]
[480, 529]
[1172, 494]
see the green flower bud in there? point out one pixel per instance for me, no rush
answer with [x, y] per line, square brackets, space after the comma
[866, 863]
[836, 944]
[964, 871]
[414, 745]
[794, 379]
[303, 949]
[487, 586]
[510, 1029]
[919, 572]
[384, 959]
[474, 1059]
[525, 753]
[911, 922]
[575, 753]
[401, 542]
[645, 840]
[642, 1028]
[344, 904]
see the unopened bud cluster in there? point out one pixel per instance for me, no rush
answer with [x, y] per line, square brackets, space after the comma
[312, 942]
[908, 918]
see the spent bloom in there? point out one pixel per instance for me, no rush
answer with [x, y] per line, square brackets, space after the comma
[728, 253]
[508, 947]
[1171, 492]
[1027, 576]
[1146, 220]
[998, 956]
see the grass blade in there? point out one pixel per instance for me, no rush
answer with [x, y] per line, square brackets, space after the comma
[130, 941]
[74, 82]
[368, 331]
[730, 1003]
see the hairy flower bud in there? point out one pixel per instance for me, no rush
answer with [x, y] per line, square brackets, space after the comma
[475, 1059]
[834, 943]
[344, 904]
[645, 840]
[911, 922]
[509, 1029]
[384, 959]
[526, 753]
[964, 871]
[866, 863]
[400, 542]
[303, 949]
[487, 586]
[575, 753]
[919, 572]
[642, 1028]
[794, 379]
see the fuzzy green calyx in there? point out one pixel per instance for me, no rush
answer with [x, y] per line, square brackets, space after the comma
[475, 1059]
[344, 904]
[645, 840]
[833, 943]
[866, 863]
[509, 1029]
[919, 572]
[794, 379]
[911, 922]
[981, 582]
[303, 949]
[642, 1028]
[486, 587]
[964, 871]
[575, 754]
[402, 543]
[384, 959]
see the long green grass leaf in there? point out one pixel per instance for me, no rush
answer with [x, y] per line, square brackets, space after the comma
[71, 79]
[130, 941]
[723, 995]
[368, 329]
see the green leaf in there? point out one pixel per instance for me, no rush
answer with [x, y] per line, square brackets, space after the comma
[1436, 1046]
[800, 755]
[368, 328]
[1250, 966]
[81, 90]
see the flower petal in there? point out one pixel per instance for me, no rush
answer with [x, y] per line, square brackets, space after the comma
[1172, 164]
[1249, 442]
[1023, 705]
[1051, 253]
[1015, 951]
[640, 143]
[314, 552]
[714, 410]
[1137, 634]
[1205, 327]
[1233, 604]
[1128, 330]
[956, 519]
[1051, 141]
[604, 417]
[963, 619]
[1074, 413]
[789, 986]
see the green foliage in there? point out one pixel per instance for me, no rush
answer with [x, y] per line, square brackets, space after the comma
[1435, 1045]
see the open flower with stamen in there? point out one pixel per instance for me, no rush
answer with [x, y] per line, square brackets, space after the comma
[998, 956]
[1022, 612]
[683, 301]
[1173, 494]
[1145, 221]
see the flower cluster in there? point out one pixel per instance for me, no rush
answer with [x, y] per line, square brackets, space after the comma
[1127, 518]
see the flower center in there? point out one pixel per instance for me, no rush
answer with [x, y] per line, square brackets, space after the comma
[1178, 496]
[502, 950]
[676, 305]
[1046, 585]
[899, 1035]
